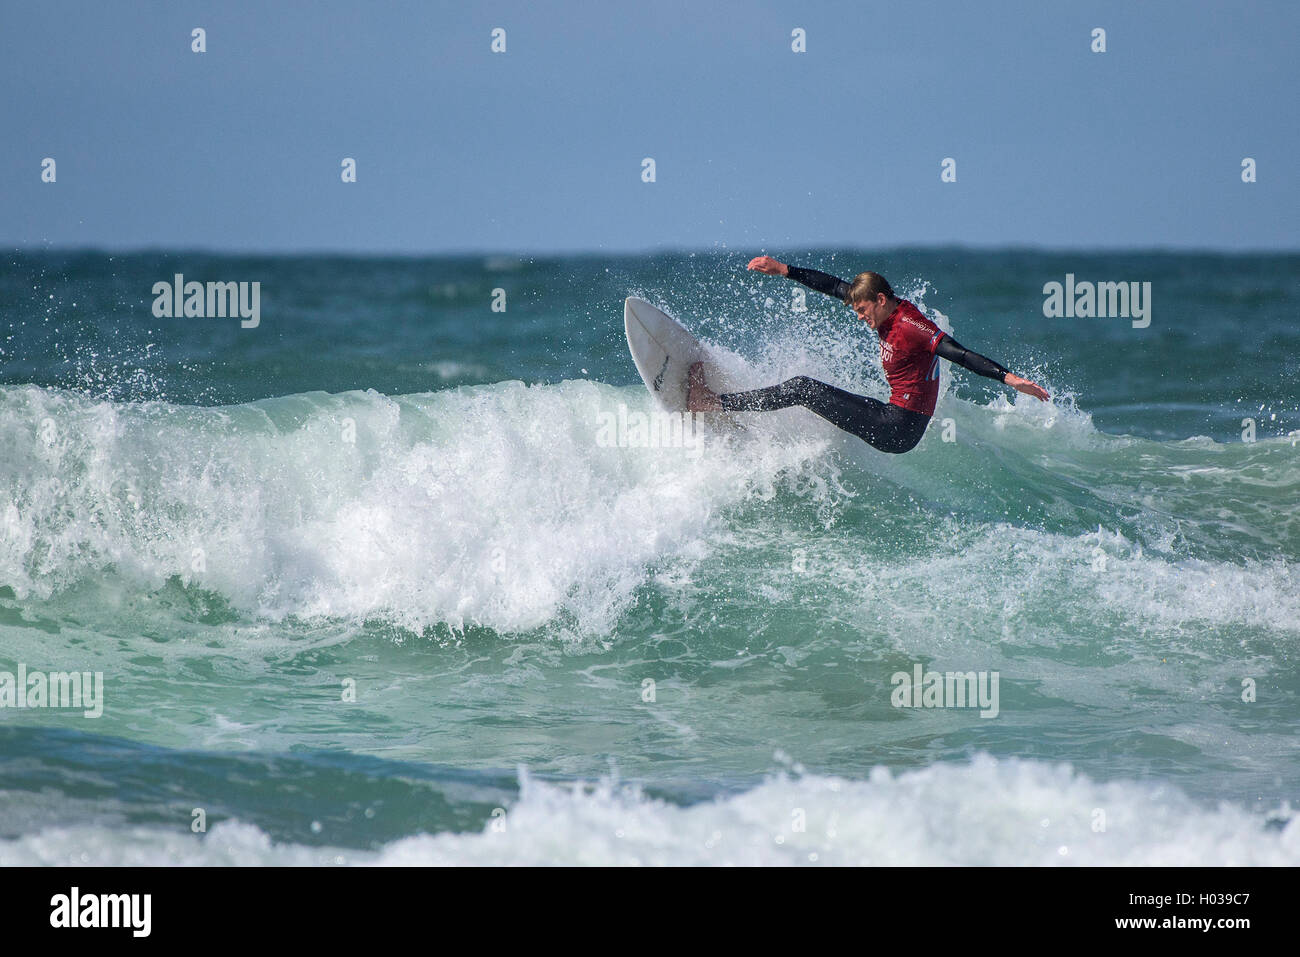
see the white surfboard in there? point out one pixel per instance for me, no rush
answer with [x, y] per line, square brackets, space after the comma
[664, 351]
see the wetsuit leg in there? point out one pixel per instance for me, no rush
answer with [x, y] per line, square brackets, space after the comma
[883, 426]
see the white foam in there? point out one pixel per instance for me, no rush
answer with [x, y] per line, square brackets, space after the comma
[988, 812]
[492, 505]
[496, 505]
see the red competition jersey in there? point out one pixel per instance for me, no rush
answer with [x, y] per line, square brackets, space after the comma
[907, 344]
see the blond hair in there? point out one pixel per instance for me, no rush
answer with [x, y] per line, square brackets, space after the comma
[867, 286]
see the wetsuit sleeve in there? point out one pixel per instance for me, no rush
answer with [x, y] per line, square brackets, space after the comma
[952, 350]
[821, 282]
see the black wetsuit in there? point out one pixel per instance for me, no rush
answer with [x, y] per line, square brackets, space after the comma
[887, 427]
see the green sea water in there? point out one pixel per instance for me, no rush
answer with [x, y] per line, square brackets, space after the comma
[364, 583]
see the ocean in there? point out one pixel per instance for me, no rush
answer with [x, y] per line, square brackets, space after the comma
[365, 582]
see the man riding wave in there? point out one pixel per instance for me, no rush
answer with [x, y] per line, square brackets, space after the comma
[910, 349]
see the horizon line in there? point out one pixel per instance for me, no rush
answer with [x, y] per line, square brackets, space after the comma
[663, 250]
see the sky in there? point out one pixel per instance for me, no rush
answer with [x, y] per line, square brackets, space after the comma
[541, 149]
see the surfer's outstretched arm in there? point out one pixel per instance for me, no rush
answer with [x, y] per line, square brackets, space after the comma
[812, 278]
[952, 350]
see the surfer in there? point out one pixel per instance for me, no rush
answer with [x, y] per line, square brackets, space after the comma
[910, 349]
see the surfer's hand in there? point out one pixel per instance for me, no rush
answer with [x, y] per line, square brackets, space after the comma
[1025, 386]
[769, 265]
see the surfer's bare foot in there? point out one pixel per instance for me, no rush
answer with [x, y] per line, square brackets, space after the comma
[699, 397]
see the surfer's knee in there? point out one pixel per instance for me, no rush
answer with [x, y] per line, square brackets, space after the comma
[898, 444]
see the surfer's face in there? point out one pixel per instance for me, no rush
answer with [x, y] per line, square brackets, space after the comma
[873, 311]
